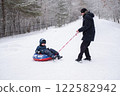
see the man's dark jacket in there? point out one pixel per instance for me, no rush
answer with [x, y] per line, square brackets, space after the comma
[88, 27]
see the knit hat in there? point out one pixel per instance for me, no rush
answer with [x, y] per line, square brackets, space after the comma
[42, 41]
[83, 10]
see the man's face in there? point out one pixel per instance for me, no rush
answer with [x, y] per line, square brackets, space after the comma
[82, 14]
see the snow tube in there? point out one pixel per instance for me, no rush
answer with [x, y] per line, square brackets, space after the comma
[41, 57]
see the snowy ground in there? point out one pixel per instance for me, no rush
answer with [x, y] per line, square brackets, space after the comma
[16, 53]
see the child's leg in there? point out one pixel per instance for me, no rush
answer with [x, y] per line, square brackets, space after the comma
[54, 51]
[48, 52]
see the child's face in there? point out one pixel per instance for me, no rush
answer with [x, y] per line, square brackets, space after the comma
[43, 44]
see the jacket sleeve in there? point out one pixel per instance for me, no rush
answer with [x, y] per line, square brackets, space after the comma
[37, 49]
[87, 24]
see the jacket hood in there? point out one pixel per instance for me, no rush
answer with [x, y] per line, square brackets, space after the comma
[42, 41]
[88, 15]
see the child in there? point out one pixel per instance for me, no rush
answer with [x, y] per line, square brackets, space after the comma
[43, 50]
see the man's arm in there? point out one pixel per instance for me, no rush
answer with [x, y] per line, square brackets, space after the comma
[86, 26]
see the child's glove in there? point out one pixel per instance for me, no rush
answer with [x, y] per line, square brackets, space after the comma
[38, 52]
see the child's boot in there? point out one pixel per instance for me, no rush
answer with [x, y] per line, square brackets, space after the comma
[53, 57]
[59, 57]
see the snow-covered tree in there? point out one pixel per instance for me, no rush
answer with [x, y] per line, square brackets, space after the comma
[109, 9]
[16, 14]
[61, 13]
[21, 16]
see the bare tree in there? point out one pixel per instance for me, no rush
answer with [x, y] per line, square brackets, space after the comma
[3, 33]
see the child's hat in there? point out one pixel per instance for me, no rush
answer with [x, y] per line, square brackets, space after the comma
[42, 40]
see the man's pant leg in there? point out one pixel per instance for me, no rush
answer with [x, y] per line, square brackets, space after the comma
[87, 54]
[83, 48]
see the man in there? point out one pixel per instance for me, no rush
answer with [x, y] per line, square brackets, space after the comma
[88, 30]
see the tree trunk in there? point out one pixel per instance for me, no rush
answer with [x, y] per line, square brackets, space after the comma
[114, 19]
[3, 18]
[118, 20]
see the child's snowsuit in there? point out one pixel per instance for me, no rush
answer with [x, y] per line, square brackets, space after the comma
[43, 50]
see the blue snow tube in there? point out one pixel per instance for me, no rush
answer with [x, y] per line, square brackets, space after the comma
[41, 57]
